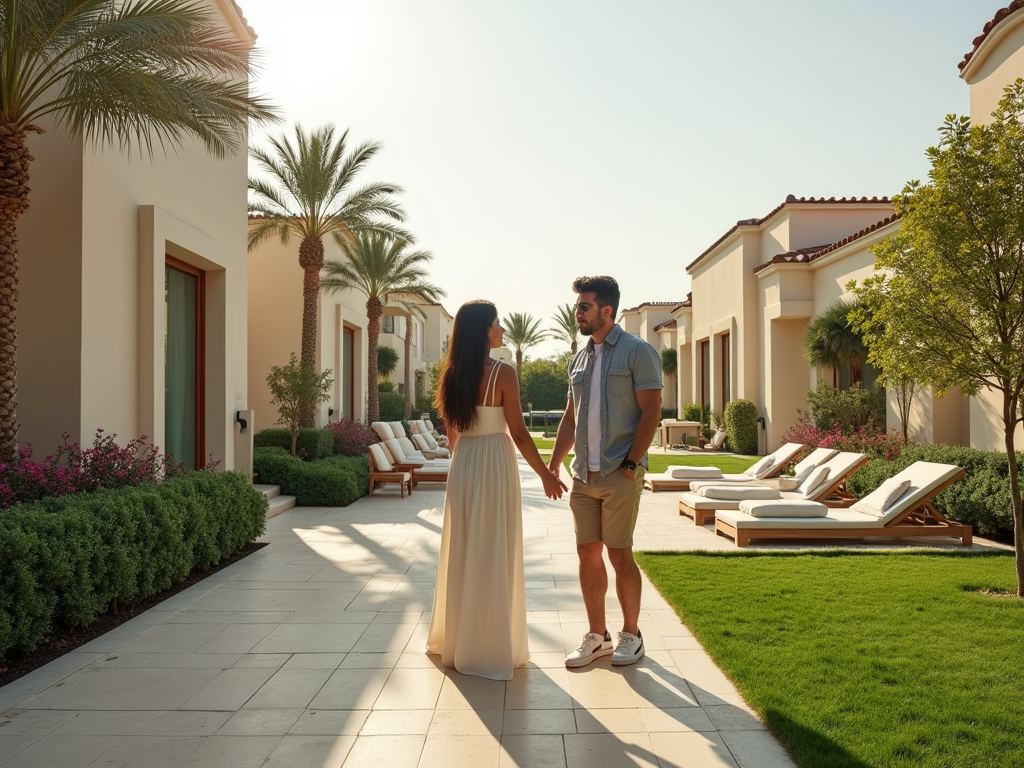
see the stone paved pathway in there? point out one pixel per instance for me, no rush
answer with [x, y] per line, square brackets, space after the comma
[309, 653]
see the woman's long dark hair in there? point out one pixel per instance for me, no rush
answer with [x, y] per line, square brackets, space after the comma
[460, 380]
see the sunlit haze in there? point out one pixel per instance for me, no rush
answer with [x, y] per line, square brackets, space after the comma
[538, 141]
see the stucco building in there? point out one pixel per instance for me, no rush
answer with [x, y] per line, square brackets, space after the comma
[133, 293]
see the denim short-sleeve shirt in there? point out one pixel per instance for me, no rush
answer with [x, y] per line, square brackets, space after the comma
[628, 365]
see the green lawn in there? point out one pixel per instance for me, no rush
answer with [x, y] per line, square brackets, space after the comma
[864, 659]
[659, 462]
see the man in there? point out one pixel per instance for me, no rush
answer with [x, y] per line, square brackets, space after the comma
[612, 415]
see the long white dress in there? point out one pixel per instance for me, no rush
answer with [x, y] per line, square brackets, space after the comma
[478, 624]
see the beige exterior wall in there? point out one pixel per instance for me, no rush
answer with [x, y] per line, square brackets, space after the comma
[275, 329]
[92, 293]
[641, 321]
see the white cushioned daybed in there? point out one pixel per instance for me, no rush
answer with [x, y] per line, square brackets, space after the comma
[819, 483]
[678, 478]
[888, 512]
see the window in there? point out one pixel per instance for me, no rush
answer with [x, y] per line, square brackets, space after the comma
[348, 388]
[184, 362]
[726, 371]
[705, 374]
[388, 324]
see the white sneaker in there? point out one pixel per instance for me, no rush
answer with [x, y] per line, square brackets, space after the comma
[629, 648]
[592, 646]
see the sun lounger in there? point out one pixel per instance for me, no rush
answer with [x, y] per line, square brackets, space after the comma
[823, 483]
[381, 472]
[401, 458]
[885, 512]
[678, 478]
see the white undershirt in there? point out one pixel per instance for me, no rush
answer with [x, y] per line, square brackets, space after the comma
[594, 414]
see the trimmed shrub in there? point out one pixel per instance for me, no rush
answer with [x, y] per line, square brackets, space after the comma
[312, 443]
[65, 561]
[392, 406]
[351, 437]
[668, 413]
[741, 426]
[332, 482]
[692, 412]
[981, 498]
[849, 409]
[385, 386]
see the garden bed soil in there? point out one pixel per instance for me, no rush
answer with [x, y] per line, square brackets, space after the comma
[55, 647]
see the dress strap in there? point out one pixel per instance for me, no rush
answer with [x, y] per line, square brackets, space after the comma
[492, 381]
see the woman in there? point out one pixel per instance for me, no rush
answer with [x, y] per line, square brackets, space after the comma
[478, 624]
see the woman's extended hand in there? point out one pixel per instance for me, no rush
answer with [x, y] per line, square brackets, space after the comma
[553, 487]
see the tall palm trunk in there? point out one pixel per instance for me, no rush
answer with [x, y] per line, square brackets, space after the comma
[14, 164]
[519, 361]
[311, 259]
[408, 348]
[374, 309]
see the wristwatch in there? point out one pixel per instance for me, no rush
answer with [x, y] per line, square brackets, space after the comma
[629, 465]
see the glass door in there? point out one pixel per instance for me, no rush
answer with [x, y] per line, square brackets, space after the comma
[183, 362]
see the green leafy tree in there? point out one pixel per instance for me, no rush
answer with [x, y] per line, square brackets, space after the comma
[295, 389]
[566, 328]
[545, 384]
[146, 73]
[309, 192]
[947, 301]
[387, 361]
[522, 331]
[379, 265]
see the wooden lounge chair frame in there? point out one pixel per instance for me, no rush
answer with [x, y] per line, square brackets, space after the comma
[404, 478]
[678, 484]
[920, 520]
[835, 496]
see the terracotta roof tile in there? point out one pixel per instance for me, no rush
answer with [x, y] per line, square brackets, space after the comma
[807, 255]
[668, 324]
[790, 199]
[1001, 14]
[652, 304]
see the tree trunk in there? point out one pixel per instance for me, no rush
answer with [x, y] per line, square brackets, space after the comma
[572, 347]
[519, 361]
[14, 165]
[408, 348]
[311, 259]
[374, 309]
[1010, 405]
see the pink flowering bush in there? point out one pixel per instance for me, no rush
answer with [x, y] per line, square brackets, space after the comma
[73, 469]
[869, 439]
[351, 437]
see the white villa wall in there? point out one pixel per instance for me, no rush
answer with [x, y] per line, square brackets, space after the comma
[119, 216]
[275, 329]
[997, 62]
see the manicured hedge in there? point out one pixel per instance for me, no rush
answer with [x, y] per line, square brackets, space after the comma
[391, 406]
[982, 498]
[65, 561]
[741, 426]
[316, 442]
[333, 482]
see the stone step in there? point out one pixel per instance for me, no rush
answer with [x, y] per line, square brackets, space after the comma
[270, 491]
[279, 504]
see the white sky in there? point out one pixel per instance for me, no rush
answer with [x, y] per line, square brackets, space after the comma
[541, 140]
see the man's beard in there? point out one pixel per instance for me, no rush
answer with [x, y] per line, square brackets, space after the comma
[592, 328]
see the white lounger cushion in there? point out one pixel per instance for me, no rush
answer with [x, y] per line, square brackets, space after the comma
[762, 467]
[883, 497]
[383, 430]
[814, 480]
[686, 473]
[380, 461]
[397, 428]
[835, 518]
[783, 508]
[737, 493]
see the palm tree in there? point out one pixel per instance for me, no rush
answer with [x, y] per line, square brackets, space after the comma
[379, 265]
[151, 73]
[566, 328]
[830, 340]
[387, 361]
[411, 311]
[309, 194]
[522, 331]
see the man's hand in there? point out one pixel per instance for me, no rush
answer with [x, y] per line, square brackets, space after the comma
[555, 467]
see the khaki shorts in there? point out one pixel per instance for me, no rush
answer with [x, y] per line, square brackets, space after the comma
[604, 508]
